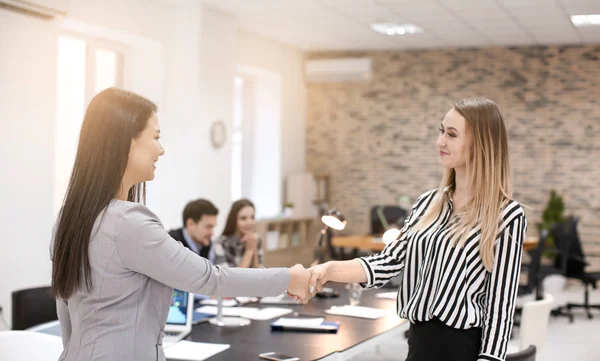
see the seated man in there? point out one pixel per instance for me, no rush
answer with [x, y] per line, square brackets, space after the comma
[239, 245]
[199, 220]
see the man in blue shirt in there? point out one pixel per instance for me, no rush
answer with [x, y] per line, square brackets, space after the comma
[199, 221]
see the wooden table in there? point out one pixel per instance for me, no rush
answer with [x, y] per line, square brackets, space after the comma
[530, 243]
[372, 243]
[376, 244]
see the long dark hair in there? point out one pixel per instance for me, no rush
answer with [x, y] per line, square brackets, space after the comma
[236, 207]
[113, 118]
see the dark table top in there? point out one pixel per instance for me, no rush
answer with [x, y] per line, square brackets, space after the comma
[249, 341]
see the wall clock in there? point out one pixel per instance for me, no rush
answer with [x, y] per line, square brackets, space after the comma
[218, 134]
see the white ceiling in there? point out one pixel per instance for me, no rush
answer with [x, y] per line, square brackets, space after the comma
[345, 24]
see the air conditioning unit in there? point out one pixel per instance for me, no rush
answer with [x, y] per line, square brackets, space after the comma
[44, 9]
[338, 70]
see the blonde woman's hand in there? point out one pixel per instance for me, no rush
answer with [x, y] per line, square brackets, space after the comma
[319, 276]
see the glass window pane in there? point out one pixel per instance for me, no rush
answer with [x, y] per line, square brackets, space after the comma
[70, 108]
[106, 70]
[236, 171]
[238, 101]
[237, 139]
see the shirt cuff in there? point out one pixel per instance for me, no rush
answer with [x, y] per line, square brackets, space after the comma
[485, 357]
[368, 271]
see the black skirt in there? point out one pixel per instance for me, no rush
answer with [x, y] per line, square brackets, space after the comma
[435, 341]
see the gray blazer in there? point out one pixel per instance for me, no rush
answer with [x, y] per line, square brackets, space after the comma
[135, 266]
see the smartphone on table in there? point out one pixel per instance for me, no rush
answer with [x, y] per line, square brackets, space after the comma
[276, 356]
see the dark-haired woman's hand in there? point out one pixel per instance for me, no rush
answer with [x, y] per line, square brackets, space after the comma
[298, 285]
[250, 241]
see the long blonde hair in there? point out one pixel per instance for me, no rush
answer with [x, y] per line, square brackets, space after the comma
[489, 178]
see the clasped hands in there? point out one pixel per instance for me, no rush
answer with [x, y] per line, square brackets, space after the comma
[305, 283]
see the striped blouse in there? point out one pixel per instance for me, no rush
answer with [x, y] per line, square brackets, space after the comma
[451, 283]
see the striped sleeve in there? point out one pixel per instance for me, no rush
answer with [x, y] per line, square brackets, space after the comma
[381, 268]
[501, 290]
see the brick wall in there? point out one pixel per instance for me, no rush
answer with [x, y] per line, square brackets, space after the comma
[376, 139]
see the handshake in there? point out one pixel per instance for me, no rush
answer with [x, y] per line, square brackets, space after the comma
[305, 283]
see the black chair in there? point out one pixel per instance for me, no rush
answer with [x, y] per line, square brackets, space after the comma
[31, 307]
[382, 216]
[526, 355]
[571, 261]
[534, 275]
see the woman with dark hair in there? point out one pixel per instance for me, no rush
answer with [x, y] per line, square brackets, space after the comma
[239, 245]
[114, 266]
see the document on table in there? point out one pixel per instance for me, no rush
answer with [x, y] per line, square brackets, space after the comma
[251, 313]
[358, 311]
[315, 324]
[282, 299]
[213, 301]
[302, 322]
[195, 351]
[387, 295]
[269, 313]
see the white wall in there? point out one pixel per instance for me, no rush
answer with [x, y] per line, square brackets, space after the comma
[28, 64]
[181, 57]
[218, 44]
[177, 172]
[27, 103]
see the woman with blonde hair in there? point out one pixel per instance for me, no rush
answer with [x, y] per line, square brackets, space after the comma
[459, 251]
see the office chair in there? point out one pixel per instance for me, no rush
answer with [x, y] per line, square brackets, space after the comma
[534, 275]
[571, 261]
[31, 307]
[383, 216]
[525, 355]
[28, 346]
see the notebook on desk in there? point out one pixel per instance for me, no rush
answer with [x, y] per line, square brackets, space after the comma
[194, 351]
[317, 324]
[282, 299]
[251, 313]
[359, 311]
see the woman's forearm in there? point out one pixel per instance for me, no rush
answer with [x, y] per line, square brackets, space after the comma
[255, 263]
[346, 271]
[336, 271]
[247, 259]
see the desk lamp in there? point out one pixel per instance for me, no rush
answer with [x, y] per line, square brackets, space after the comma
[390, 235]
[331, 219]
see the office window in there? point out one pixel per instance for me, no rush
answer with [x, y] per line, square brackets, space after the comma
[237, 138]
[85, 67]
[256, 140]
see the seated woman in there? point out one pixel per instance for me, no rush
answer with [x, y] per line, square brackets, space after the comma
[239, 245]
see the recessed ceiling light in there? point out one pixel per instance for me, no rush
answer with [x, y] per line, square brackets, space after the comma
[396, 29]
[586, 20]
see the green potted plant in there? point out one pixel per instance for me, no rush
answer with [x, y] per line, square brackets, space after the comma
[288, 209]
[553, 213]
